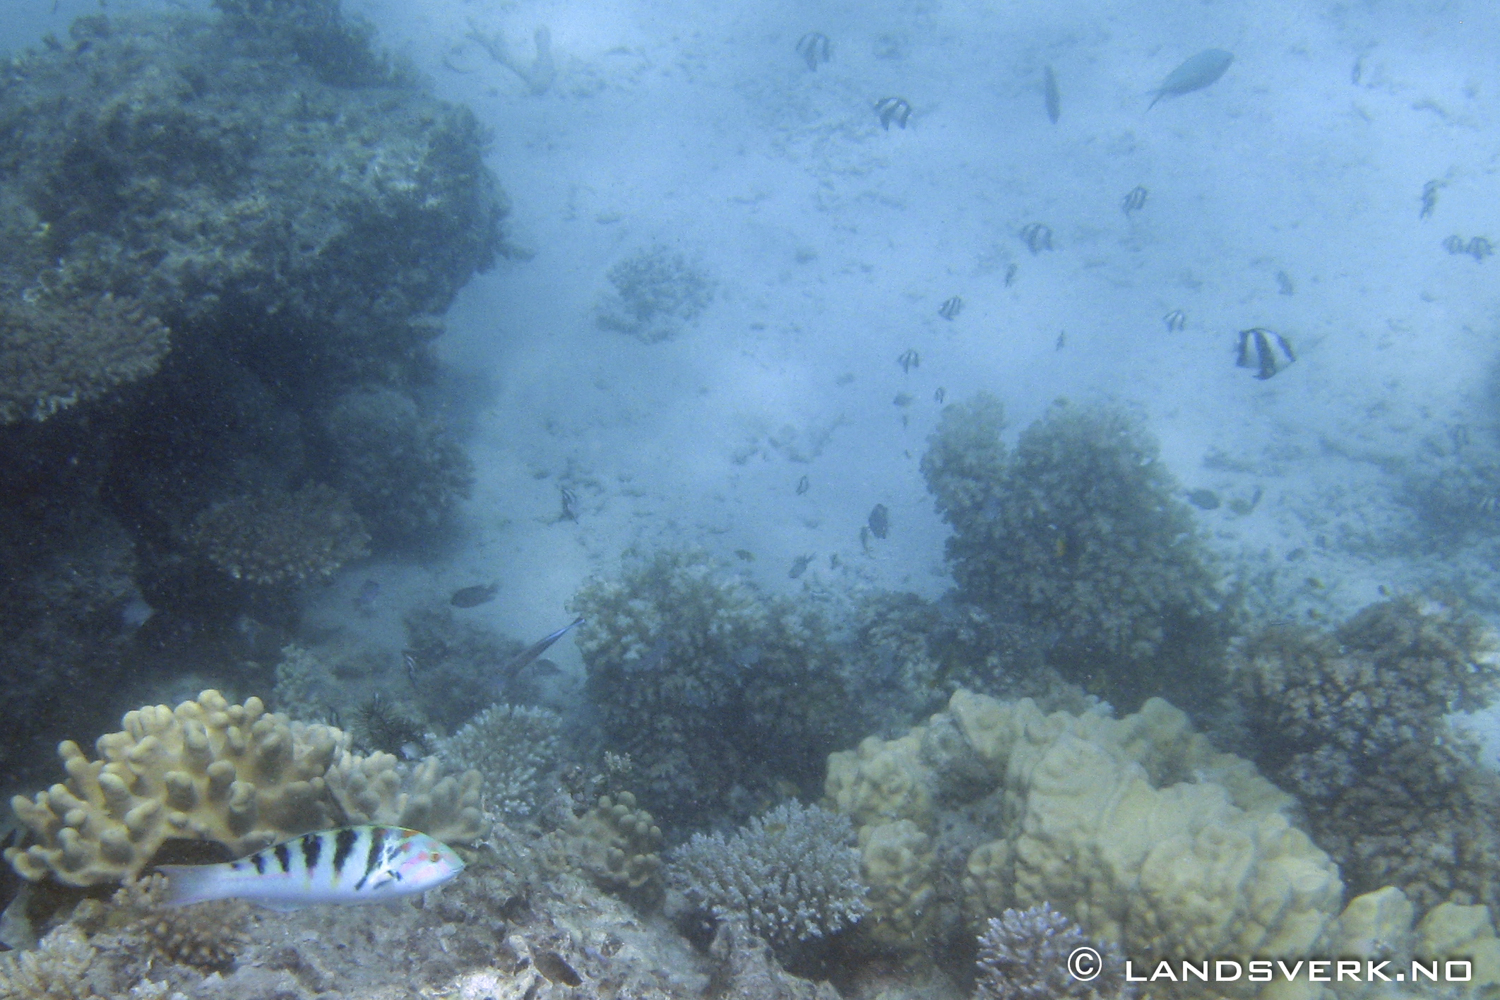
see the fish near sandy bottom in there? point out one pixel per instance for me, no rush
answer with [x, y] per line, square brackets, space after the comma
[1194, 74]
[473, 597]
[357, 864]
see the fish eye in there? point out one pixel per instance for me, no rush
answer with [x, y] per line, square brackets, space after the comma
[434, 856]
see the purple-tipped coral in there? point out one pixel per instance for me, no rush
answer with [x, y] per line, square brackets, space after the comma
[1024, 955]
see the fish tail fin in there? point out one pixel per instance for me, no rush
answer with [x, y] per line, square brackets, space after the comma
[187, 884]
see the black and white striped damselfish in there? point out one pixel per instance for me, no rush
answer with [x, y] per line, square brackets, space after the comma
[357, 864]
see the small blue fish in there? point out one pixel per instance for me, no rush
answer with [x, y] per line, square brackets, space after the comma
[364, 601]
[357, 864]
[1194, 74]
[1050, 95]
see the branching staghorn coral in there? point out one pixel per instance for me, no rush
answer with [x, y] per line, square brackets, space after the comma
[53, 356]
[791, 874]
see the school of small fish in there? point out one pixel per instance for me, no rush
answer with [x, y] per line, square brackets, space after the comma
[357, 864]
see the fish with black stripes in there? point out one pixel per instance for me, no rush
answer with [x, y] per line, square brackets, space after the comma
[1267, 351]
[355, 864]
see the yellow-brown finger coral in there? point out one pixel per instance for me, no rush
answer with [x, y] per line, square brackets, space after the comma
[278, 537]
[207, 770]
[53, 356]
[378, 789]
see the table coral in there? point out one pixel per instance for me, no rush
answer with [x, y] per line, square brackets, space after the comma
[1081, 531]
[209, 770]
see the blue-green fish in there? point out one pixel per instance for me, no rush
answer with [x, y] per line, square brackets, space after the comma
[1195, 74]
[357, 864]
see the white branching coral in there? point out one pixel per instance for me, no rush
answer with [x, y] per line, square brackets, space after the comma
[512, 747]
[792, 874]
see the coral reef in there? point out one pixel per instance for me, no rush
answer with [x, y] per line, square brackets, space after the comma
[234, 774]
[715, 690]
[657, 291]
[245, 179]
[380, 789]
[513, 748]
[276, 537]
[405, 474]
[1136, 828]
[1353, 723]
[790, 875]
[1080, 534]
[615, 844]
[1023, 955]
[55, 356]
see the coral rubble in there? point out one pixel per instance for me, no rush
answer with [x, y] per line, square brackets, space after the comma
[657, 291]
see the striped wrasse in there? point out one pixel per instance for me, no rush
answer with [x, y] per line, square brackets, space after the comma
[357, 864]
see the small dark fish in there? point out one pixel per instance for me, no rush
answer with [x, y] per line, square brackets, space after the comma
[893, 109]
[745, 555]
[533, 652]
[1062, 340]
[803, 485]
[1284, 283]
[951, 308]
[1194, 74]
[1429, 197]
[569, 504]
[799, 566]
[1454, 244]
[1203, 499]
[864, 538]
[880, 521]
[1272, 352]
[908, 360]
[1175, 320]
[409, 661]
[1135, 200]
[1010, 274]
[365, 599]
[939, 394]
[472, 597]
[904, 399]
[1479, 248]
[1050, 95]
[1037, 236]
[814, 48]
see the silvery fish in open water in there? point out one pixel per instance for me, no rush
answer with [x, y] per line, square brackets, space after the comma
[357, 864]
[1271, 352]
[523, 659]
[1050, 95]
[1195, 74]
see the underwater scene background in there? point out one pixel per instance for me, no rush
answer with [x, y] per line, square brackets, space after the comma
[1024, 481]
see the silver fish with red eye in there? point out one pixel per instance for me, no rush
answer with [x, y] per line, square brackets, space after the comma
[356, 864]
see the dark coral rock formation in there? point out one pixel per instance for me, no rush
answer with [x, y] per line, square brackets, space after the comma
[1353, 723]
[714, 689]
[1080, 534]
[211, 228]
